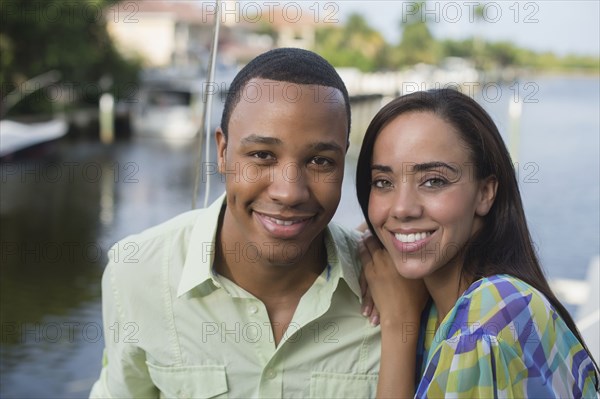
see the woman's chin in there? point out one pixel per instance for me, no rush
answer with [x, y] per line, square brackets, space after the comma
[412, 271]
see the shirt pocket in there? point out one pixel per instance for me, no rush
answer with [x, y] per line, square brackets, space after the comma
[334, 385]
[189, 381]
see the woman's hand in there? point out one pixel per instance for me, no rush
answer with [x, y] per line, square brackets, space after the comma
[369, 309]
[397, 300]
[400, 302]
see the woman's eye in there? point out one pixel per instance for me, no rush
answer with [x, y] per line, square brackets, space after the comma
[435, 182]
[381, 183]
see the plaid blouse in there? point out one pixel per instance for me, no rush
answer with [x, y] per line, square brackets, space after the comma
[502, 339]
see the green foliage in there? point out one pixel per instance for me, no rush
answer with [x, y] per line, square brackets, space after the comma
[356, 44]
[64, 35]
[417, 44]
[498, 55]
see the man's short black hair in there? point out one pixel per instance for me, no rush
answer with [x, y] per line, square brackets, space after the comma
[292, 65]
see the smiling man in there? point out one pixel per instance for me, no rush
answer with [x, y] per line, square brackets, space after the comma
[257, 295]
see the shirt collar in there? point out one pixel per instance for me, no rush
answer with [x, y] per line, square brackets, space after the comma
[200, 256]
[342, 255]
[197, 269]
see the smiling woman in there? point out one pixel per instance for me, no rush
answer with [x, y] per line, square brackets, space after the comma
[416, 192]
[437, 185]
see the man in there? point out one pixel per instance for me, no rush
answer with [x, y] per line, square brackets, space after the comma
[255, 296]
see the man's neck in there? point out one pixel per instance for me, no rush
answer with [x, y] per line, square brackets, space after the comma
[238, 259]
[278, 286]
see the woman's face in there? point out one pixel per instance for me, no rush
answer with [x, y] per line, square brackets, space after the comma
[425, 201]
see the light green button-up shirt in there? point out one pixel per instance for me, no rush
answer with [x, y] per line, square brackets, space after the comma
[174, 328]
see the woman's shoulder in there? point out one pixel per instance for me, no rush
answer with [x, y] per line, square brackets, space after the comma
[498, 280]
[505, 305]
[504, 334]
[500, 290]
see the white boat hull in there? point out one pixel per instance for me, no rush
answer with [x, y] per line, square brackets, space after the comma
[16, 136]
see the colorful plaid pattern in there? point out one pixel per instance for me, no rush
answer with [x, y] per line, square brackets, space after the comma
[502, 339]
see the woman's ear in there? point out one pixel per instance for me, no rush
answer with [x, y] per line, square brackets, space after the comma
[221, 141]
[487, 195]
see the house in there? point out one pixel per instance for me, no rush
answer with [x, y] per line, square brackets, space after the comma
[161, 33]
[164, 33]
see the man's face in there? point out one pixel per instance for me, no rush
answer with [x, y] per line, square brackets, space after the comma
[284, 164]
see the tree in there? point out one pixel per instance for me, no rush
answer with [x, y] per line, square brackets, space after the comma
[355, 44]
[417, 43]
[64, 35]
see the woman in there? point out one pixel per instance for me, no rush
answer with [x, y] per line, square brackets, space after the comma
[437, 187]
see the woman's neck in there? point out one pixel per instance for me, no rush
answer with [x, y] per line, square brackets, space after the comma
[445, 286]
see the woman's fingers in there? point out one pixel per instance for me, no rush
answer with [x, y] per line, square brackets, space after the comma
[371, 243]
[374, 318]
[362, 227]
[362, 280]
[366, 261]
[367, 304]
[368, 246]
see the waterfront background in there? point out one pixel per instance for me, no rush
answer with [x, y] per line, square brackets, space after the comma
[63, 204]
[60, 215]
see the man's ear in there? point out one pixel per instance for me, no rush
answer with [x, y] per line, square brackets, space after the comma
[221, 141]
[487, 195]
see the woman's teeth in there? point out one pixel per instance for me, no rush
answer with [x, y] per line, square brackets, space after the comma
[412, 237]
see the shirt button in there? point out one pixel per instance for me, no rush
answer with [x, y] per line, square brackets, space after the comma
[271, 374]
[252, 309]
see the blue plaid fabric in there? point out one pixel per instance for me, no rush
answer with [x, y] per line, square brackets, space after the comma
[502, 339]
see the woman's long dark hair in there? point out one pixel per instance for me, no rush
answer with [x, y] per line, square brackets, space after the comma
[503, 244]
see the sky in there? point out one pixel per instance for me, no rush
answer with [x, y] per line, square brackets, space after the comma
[551, 25]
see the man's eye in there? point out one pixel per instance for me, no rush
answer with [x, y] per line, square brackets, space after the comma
[262, 155]
[321, 161]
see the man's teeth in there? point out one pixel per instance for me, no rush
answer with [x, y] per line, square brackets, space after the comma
[412, 237]
[283, 222]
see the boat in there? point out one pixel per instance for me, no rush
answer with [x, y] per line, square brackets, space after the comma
[16, 136]
[170, 101]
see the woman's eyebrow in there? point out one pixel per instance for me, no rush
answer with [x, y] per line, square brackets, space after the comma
[421, 167]
[417, 167]
[381, 168]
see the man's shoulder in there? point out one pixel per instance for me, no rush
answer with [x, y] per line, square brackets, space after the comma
[346, 251]
[343, 232]
[344, 237]
[164, 230]
[183, 221]
[153, 244]
[153, 257]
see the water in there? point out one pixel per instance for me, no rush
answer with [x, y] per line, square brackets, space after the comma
[60, 214]
[558, 167]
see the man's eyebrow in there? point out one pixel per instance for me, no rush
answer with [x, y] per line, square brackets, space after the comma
[320, 146]
[256, 139]
[326, 146]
